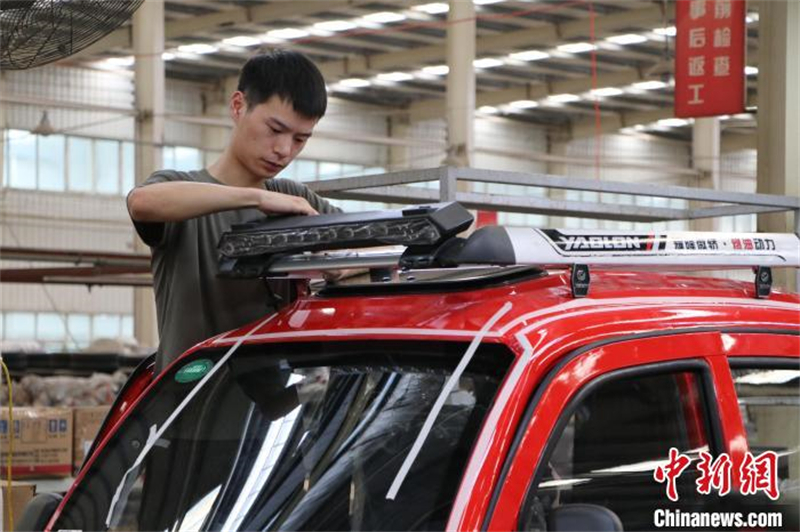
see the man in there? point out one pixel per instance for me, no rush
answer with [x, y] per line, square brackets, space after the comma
[181, 215]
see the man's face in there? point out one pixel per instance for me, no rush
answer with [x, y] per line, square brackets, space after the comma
[268, 136]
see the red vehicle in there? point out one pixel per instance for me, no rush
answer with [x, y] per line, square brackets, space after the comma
[502, 397]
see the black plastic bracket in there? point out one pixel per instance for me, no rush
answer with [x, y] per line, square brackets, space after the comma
[248, 267]
[380, 275]
[444, 255]
[763, 282]
[580, 280]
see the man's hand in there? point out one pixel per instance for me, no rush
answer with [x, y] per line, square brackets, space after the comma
[176, 201]
[337, 276]
[277, 203]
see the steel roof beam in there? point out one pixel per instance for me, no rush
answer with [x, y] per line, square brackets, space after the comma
[548, 35]
[122, 38]
[429, 109]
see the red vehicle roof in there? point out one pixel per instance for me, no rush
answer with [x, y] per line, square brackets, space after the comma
[633, 301]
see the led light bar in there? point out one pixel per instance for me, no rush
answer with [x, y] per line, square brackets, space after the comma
[629, 249]
[417, 226]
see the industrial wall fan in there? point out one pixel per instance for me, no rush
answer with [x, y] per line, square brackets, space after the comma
[37, 32]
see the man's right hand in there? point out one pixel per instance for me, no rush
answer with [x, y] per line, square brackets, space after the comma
[277, 203]
[181, 200]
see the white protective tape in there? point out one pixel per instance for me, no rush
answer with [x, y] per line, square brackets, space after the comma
[437, 406]
[123, 489]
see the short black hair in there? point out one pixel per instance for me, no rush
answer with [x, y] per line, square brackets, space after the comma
[288, 74]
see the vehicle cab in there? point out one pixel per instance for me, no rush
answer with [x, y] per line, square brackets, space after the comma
[516, 394]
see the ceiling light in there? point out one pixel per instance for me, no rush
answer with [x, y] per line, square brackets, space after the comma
[488, 109]
[335, 25]
[669, 31]
[751, 70]
[432, 9]
[187, 56]
[395, 76]
[628, 38]
[120, 62]
[529, 55]
[649, 85]
[355, 83]
[576, 47]
[287, 33]
[167, 56]
[487, 62]
[437, 70]
[673, 122]
[486, 2]
[242, 40]
[607, 91]
[523, 104]
[751, 17]
[384, 17]
[564, 98]
[198, 48]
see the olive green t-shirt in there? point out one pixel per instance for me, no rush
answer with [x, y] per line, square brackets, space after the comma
[192, 303]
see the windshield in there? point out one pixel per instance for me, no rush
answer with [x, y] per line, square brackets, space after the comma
[294, 437]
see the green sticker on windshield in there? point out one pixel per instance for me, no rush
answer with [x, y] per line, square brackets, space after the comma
[193, 370]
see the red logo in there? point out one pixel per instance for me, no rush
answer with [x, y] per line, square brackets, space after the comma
[671, 471]
[759, 473]
[716, 474]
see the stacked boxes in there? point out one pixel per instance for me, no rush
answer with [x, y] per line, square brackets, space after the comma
[42, 442]
[21, 494]
[87, 421]
[48, 442]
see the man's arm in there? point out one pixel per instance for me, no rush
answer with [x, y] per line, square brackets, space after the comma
[176, 201]
[294, 188]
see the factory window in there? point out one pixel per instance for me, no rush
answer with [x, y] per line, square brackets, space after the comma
[128, 167]
[79, 153]
[55, 331]
[19, 326]
[51, 151]
[106, 164]
[328, 170]
[20, 159]
[182, 158]
[80, 164]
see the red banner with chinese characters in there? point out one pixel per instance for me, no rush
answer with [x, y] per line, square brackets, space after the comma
[709, 57]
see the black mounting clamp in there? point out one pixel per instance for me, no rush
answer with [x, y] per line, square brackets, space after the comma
[763, 282]
[579, 281]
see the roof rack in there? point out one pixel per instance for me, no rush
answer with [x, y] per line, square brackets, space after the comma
[279, 247]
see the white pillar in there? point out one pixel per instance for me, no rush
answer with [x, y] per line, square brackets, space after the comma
[460, 83]
[779, 115]
[215, 138]
[148, 45]
[3, 127]
[398, 156]
[558, 147]
[706, 142]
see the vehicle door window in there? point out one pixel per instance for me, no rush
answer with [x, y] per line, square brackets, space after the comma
[769, 401]
[610, 440]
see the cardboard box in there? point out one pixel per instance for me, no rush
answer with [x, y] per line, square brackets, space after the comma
[42, 442]
[21, 494]
[86, 425]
